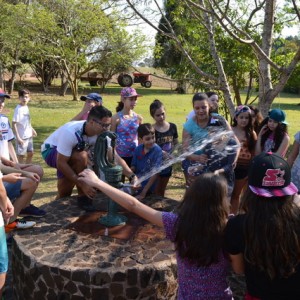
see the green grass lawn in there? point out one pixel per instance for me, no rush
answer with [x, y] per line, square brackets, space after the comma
[49, 111]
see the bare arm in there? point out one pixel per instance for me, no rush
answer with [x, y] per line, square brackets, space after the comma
[202, 158]
[3, 196]
[258, 148]
[125, 200]
[294, 153]
[15, 128]
[140, 119]
[85, 109]
[10, 170]
[237, 263]
[146, 188]
[255, 140]
[12, 152]
[283, 146]
[34, 134]
[186, 138]
[115, 121]
[5, 204]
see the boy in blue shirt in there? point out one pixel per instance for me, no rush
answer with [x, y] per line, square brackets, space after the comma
[146, 157]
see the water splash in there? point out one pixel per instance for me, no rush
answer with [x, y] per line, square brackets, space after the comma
[217, 139]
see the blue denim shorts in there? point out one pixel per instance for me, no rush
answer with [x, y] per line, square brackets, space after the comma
[3, 251]
[13, 190]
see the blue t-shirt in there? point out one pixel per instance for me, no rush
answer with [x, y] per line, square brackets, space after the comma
[197, 133]
[145, 162]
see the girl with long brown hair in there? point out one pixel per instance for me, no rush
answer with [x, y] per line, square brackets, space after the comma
[264, 241]
[273, 135]
[196, 229]
[243, 129]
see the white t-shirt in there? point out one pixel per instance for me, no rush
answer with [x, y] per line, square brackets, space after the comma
[66, 137]
[22, 118]
[1, 218]
[6, 135]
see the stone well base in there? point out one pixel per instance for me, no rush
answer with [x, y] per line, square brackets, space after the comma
[52, 261]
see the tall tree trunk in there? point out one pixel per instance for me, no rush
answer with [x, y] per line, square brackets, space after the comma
[64, 85]
[74, 88]
[12, 79]
[223, 82]
[236, 92]
[265, 82]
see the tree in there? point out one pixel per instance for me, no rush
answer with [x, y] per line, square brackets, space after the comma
[86, 36]
[235, 57]
[121, 51]
[21, 43]
[250, 23]
[71, 36]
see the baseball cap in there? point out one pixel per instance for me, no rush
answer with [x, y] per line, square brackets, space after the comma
[200, 96]
[128, 92]
[270, 176]
[277, 115]
[92, 96]
[3, 94]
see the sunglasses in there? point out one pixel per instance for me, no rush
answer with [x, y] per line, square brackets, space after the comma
[103, 125]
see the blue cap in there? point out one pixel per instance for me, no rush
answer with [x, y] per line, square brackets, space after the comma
[277, 115]
[92, 96]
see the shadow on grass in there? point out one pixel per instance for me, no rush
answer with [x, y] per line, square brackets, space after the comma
[42, 195]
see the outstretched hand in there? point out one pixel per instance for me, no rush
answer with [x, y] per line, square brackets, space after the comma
[88, 182]
[89, 177]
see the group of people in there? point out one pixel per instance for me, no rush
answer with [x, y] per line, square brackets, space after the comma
[245, 162]
[140, 147]
[18, 180]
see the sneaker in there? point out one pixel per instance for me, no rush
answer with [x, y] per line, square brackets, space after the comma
[86, 204]
[19, 224]
[32, 211]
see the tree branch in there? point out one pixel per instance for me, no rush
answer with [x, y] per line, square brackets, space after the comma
[296, 9]
[173, 36]
[260, 53]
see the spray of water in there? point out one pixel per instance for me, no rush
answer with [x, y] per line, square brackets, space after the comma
[218, 139]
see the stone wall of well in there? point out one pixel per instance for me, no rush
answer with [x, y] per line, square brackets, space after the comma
[51, 261]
